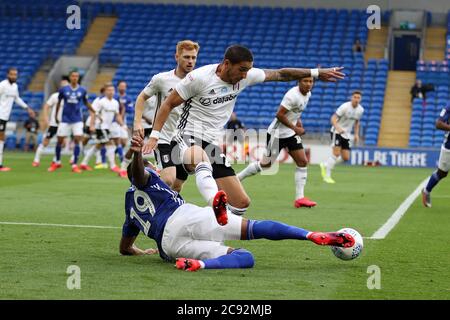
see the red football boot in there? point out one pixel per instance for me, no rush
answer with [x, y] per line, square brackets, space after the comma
[35, 164]
[338, 239]
[187, 264]
[4, 169]
[220, 207]
[76, 169]
[85, 167]
[54, 166]
[304, 202]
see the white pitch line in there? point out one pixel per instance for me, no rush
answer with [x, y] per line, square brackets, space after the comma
[398, 214]
[57, 225]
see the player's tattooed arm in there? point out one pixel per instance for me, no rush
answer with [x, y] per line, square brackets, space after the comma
[281, 116]
[441, 125]
[290, 74]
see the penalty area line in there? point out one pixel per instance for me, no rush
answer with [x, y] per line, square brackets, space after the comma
[56, 225]
[384, 230]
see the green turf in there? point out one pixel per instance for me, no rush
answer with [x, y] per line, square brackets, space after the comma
[414, 259]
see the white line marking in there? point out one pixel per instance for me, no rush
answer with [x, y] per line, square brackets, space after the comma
[57, 225]
[398, 214]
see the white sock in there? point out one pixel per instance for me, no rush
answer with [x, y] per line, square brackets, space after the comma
[236, 211]
[205, 181]
[98, 157]
[252, 169]
[37, 155]
[110, 156]
[125, 163]
[331, 162]
[88, 155]
[2, 144]
[301, 175]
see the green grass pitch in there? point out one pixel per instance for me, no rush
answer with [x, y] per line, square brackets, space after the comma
[414, 258]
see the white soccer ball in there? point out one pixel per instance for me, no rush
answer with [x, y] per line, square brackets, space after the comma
[352, 252]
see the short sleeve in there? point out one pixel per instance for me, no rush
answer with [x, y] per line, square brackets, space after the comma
[61, 94]
[445, 114]
[129, 229]
[189, 86]
[152, 87]
[255, 75]
[52, 100]
[289, 101]
[340, 111]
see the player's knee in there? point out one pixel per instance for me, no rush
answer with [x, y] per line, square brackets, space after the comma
[242, 203]
[442, 174]
[303, 163]
[266, 165]
[245, 257]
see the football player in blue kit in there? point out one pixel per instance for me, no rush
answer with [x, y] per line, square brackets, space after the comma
[74, 96]
[442, 123]
[192, 236]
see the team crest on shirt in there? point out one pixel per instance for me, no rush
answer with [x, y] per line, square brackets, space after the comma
[165, 158]
[224, 90]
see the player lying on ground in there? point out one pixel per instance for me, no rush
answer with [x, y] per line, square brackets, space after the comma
[344, 120]
[442, 123]
[285, 131]
[208, 95]
[194, 236]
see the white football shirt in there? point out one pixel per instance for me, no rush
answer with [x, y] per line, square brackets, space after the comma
[96, 107]
[295, 102]
[347, 116]
[9, 93]
[52, 102]
[209, 101]
[107, 109]
[149, 113]
[161, 85]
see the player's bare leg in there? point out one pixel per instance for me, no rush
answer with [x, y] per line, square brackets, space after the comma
[178, 185]
[238, 200]
[301, 174]
[168, 175]
[37, 156]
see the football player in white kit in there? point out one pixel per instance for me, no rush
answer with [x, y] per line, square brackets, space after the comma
[208, 95]
[285, 131]
[442, 123]
[160, 86]
[109, 110]
[9, 93]
[344, 120]
[50, 123]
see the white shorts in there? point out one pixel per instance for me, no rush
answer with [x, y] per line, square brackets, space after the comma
[193, 232]
[444, 160]
[118, 132]
[66, 129]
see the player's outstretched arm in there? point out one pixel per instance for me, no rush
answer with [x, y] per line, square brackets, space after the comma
[290, 74]
[138, 111]
[172, 101]
[441, 125]
[140, 176]
[128, 248]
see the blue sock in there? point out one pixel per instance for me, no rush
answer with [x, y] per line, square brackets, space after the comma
[434, 179]
[239, 258]
[119, 151]
[103, 154]
[273, 230]
[58, 152]
[76, 153]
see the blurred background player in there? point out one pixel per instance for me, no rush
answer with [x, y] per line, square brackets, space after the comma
[49, 123]
[127, 107]
[31, 126]
[161, 85]
[442, 123]
[208, 95]
[74, 96]
[194, 236]
[9, 93]
[285, 131]
[344, 120]
[108, 110]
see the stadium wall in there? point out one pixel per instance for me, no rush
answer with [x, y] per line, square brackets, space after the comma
[435, 6]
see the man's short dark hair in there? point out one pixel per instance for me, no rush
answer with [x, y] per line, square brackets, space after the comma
[357, 92]
[11, 69]
[130, 176]
[120, 81]
[73, 71]
[237, 53]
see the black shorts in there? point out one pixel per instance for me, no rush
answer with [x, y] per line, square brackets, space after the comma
[51, 132]
[275, 145]
[220, 165]
[102, 135]
[3, 125]
[339, 141]
[163, 155]
[147, 132]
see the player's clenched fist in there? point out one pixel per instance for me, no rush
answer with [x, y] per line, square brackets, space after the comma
[136, 143]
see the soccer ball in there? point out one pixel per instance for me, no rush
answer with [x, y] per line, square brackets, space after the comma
[352, 252]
